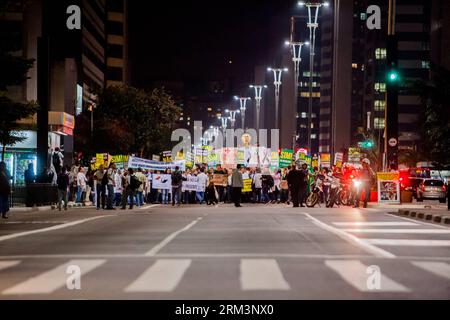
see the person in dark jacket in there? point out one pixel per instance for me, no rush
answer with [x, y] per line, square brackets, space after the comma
[63, 185]
[237, 183]
[5, 190]
[295, 180]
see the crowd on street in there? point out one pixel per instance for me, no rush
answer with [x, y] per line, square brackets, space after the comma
[111, 188]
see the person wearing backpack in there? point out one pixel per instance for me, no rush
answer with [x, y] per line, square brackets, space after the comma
[131, 184]
[101, 180]
[57, 160]
[177, 182]
[63, 184]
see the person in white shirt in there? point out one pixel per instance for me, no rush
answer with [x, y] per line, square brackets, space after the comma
[276, 186]
[203, 182]
[257, 183]
[81, 184]
[118, 189]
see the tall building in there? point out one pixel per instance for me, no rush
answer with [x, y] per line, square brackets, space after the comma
[70, 67]
[117, 42]
[353, 81]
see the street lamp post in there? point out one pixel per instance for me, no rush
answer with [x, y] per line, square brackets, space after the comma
[224, 121]
[277, 72]
[313, 15]
[232, 116]
[243, 108]
[296, 49]
[258, 98]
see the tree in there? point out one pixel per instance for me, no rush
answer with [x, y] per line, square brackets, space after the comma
[435, 96]
[129, 120]
[11, 113]
[14, 71]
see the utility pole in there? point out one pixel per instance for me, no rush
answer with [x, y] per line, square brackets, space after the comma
[392, 84]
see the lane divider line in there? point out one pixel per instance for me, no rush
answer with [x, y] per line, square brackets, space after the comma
[52, 228]
[170, 237]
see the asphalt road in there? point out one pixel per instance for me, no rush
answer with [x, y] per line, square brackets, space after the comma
[201, 252]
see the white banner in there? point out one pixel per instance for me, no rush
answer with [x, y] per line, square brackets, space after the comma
[135, 162]
[162, 181]
[192, 184]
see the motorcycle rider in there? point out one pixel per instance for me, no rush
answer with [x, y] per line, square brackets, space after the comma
[366, 175]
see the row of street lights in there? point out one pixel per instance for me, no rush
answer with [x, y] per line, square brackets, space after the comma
[296, 50]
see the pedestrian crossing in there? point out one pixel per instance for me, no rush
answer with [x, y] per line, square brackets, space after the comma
[253, 275]
[364, 229]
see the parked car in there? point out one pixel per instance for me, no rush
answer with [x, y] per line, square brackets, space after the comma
[433, 189]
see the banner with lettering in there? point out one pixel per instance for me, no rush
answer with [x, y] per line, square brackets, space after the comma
[162, 181]
[286, 158]
[135, 162]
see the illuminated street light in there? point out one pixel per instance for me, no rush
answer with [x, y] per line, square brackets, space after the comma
[258, 98]
[277, 72]
[313, 15]
[232, 116]
[296, 49]
[224, 122]
[243, 108]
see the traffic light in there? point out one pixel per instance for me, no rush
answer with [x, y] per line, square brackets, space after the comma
[368, 144]
[393, 75]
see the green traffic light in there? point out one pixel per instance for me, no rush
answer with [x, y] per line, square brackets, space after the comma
[393, 76]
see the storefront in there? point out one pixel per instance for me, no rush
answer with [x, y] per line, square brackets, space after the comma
[20, 155]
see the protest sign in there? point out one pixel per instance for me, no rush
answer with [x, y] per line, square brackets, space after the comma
[135, 162]
[286, 157]
[338, 159]
[247, 185]
[162, 181]
[325, 160]
[388, 187]
[220, 180]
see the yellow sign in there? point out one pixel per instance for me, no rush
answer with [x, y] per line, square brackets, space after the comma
[247, 185]
[388, 176]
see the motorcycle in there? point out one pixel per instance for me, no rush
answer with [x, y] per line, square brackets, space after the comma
[335, 193]
[316, 194]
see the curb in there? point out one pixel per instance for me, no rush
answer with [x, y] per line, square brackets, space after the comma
[439, 218]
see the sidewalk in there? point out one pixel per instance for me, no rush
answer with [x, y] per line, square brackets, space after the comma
[20, 209]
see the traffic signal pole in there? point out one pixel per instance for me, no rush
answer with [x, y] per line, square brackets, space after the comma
[392, 84]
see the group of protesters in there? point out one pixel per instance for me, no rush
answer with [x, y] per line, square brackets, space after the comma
[111, 187]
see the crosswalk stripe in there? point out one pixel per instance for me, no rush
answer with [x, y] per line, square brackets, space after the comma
[374, 224]
[411, 231]
[262, 274]
[163, 276]
[409, 242]
[441, 269]
[8, 264]
[357, 275]
[54, 279]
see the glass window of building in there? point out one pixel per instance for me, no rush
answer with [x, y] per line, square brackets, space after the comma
[379, 105]
[379, 123]
[380, 53]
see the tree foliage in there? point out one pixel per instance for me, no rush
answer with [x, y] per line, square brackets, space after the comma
[14, 70]
[435, 96]
[129, 120]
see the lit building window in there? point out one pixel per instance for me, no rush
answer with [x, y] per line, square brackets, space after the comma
[303, 126]
[379, 105]
[314, 136]
[363, 16]
[380, 87]
[209, 109]
[354, 65]
[306, 94]
[380, 53]
[304, 115]
[181, 118]
[425, 64]
[379, 123]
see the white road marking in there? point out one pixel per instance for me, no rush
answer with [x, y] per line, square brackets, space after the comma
[417, 221]
[352, 239]
[374, 224]
[8, 264]
[262, 274]
[149, 206]
[52, 280]
[170, 237]
[355, 273]
[441, 269]
[52, 228]
[163, 276]
[409, 242]
[412, 231]
[34, 222]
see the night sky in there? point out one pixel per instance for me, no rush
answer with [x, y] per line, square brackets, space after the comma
[193, 41]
